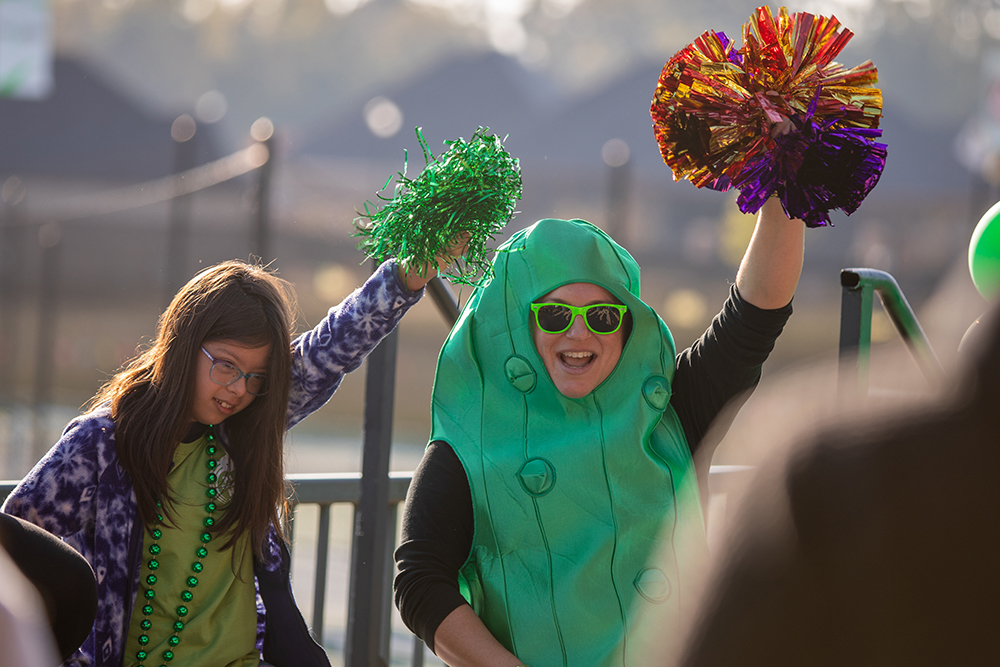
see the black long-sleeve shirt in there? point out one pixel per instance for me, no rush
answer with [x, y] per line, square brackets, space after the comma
[438, 522]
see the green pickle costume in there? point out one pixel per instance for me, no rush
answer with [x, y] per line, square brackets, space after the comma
[587, 514]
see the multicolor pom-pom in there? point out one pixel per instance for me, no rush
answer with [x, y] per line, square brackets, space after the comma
[777, 116]
[467, 192]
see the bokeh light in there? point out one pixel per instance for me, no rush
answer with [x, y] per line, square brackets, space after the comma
[383, 117]
[615, 153]
[333, 282]
[211, 107]
[685, 309]
[183, 128]
[343, 7]
[262, 129]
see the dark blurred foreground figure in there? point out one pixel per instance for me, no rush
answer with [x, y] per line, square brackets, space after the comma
[63, 578]
[25, 639]
[879, 546]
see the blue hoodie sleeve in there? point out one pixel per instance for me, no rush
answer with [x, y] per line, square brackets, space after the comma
[337, 345]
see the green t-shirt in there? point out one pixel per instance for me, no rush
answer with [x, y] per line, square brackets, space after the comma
[220, 629]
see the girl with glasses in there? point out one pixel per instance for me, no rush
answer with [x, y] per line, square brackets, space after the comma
[172, 486]
[558, 502]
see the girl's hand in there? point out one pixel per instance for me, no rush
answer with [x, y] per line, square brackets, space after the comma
[411, 275]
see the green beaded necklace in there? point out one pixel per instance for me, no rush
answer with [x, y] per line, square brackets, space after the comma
[192, 581]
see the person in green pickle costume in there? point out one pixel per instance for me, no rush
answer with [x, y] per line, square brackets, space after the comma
[586, 514]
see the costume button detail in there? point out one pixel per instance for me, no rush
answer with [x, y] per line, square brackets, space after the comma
[653, 585]
[520, 373]
[537, 477]
[656, 391]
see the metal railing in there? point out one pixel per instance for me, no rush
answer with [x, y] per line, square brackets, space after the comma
[328, 489]
[857, 301]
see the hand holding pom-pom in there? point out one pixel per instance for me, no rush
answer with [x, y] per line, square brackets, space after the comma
[456, 205]
[415, 275]
[777, 116]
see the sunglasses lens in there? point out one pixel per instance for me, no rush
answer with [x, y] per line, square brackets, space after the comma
[554, 319]
[603, 319]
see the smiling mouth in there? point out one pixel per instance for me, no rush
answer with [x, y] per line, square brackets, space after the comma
[577, 359]
[225, 406]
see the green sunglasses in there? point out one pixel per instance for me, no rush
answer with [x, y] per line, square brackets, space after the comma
[601, 318]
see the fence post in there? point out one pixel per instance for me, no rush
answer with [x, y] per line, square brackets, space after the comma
[368, 611]
[12, 250]
[263, 131]
[48, 308]
[182, 132]
[855, 334]
[615, 154]
[444, 299]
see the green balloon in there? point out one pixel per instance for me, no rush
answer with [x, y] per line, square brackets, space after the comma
[984, 254]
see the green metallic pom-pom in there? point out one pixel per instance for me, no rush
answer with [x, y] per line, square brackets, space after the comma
[470, 189]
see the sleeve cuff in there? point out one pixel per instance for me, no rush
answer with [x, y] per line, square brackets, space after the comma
[450, 600]
[392, 265]
[746, 307]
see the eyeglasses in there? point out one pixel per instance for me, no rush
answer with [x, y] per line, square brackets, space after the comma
[224, 373]
[601, 318]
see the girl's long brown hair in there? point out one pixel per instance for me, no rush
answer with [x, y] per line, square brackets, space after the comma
[151, 397]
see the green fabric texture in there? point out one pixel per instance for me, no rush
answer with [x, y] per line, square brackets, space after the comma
[587, 514]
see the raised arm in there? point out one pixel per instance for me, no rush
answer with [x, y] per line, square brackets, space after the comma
[769, 272]
[341, 341]
[352, 329]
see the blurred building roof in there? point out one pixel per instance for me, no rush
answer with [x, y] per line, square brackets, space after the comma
[448, 102]
[87, 129]
[496, 91]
